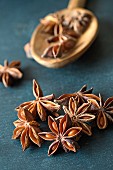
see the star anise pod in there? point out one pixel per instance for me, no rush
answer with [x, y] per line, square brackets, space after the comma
[66, 19]
[41, 104]
[62, 44]
[51, 22]
[80, 116]
[70, 32]
[81, 96]
[26, 129]
[77, 21]
[80, 22]
[62, 34]
[9, 72]
[58, 35]
[60, 134]
[103, 110]
[57, 50]
[54, 51]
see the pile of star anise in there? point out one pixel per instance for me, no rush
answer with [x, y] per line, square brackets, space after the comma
[81, 109]
[64, 31]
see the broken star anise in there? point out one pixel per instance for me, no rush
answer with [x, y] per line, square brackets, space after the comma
[60, 134]
[27, 129]
[103, 110]
[81, 96]
[80, 116]
[41, 104]
[9, 72]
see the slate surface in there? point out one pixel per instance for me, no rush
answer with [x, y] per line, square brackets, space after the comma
[17, 21]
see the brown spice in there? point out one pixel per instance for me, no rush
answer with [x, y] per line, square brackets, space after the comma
[77, 21]
[26, 129]
[51, 23]
[9, 72]
[65, 31]
[81, 96]
[54, 51]
[80, 116]
[103, 110]
[41, 104]
[60, 134]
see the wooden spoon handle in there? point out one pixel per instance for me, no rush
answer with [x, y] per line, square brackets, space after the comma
[76, 3]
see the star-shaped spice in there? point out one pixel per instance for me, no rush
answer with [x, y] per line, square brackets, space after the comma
[51, 22]
[81, 96]
[65, 31]
[78, 21]
[61, 135]
[54, 51]
[9, 72]
[80, 116]
[58, 49]
[62, 34]
[103, 110]
[61, 43]
[41, 104]
[26, 129]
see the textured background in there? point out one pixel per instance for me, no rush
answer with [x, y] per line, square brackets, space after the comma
[18, 18]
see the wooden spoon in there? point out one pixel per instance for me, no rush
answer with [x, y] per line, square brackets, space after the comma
[38, 43]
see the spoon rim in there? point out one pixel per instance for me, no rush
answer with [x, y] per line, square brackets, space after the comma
[53, 62]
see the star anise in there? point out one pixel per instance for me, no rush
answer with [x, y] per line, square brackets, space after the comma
[77, 21]
[26, 129]
[61, 43]
[81, 96]
[58, 35]
[51, 22]
[41, 104]
[103, 110]
[62, 34]
[9, 72]
[80, 22]
[80, 116]
[54, 51]
[57, 50]
[60, 134]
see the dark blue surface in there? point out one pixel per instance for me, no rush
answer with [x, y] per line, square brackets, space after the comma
[18, 18]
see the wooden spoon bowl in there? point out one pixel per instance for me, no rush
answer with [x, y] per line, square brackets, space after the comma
[38, 42]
